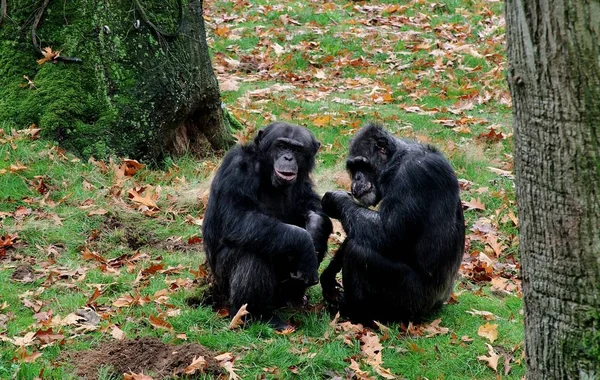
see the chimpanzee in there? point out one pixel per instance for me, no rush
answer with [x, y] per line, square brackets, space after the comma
[264, 230]
[398, 263]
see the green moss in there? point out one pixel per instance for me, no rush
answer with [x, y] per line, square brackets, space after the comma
[131, 90]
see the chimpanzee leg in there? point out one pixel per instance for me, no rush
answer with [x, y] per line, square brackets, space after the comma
[328, 282]
[252, 281]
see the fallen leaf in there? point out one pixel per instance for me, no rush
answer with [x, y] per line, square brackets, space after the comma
[360, 374]
[99, 211]
[229, 85]
[25, 357]
[489, 331]
[49, 55]
[488, 316]
[117, 333]
[147, 199]
[226, 361]
[237, 319]
[287, 331]
[198, 365]
[492, 360]
[136, 376]
[47, 336]
[159, 323]
[474, 204]
[434, 329]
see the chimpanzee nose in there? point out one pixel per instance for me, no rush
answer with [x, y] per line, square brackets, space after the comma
[288, 157]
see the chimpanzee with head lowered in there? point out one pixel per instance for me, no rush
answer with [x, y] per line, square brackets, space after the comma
[398, 263]
[264, 231]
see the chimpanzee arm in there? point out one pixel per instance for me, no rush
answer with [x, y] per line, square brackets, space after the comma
[318, 223]
[358, 221]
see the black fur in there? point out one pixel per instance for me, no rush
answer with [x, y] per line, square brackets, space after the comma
[398, 263]
[265, 236]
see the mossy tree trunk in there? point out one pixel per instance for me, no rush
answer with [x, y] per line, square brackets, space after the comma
[554, 77]
[144, 86]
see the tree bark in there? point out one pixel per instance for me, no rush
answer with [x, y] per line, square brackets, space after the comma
[134, 78]
[554, 78]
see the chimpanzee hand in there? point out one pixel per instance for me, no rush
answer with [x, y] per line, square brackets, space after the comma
[308, 265]
[307, 271]
[319, 227]
[334, 201]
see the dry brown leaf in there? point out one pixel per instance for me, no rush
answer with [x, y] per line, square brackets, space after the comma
[237, 319]
[492, 360]
[47, 336]
[287, 331]
[99, 211]
[49, 55]
[371, 348]
[147, 199]
[226, 361]
[321, 121]
[360, 374]
[25, 357]
[434, 329]
[488, 316]
[489, 331]
[136, 376]
[230, 85]
[474, 204]
[197, 365]
[130, 167]
[117, 333]
[159, 323]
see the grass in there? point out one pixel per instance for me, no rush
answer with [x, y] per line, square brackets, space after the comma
[344, 63]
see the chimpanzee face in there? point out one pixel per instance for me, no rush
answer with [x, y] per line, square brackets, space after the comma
[288, 153]
[364, 180]
[370, 151]
[288, 156]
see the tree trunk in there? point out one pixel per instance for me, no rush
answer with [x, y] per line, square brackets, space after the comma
[133, 78]
[554, 78]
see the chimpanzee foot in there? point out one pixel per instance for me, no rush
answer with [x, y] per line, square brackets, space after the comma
[276, 323]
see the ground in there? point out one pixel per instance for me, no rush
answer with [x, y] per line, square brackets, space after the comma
[96, 254]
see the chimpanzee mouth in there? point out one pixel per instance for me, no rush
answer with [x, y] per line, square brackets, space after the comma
[286, 176]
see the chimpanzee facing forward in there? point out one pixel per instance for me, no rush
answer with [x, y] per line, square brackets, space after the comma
[264, 231]
[400, 262]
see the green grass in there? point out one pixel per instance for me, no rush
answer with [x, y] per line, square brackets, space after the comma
[341, 57]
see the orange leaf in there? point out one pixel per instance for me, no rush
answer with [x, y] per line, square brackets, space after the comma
[136, 376]
[158, 323]
[237, 320]
[117, 333]
[130, 167]
[148, 199]
[198, 365]
[48, 54]
[321, 121]
[492, 360]
[474, 204]
[489, 331]
[287, 331]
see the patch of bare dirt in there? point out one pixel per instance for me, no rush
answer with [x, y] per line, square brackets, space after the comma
[131, 235]
[148, 355]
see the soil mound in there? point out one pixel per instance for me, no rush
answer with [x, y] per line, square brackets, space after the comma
[147, 355]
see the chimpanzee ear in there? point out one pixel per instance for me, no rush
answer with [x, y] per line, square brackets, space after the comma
[258, 137]
[316, 146]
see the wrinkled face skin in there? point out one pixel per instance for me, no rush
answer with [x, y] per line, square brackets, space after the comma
[288, 153]
[369, 153]
[287, 156]
[364, 181]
